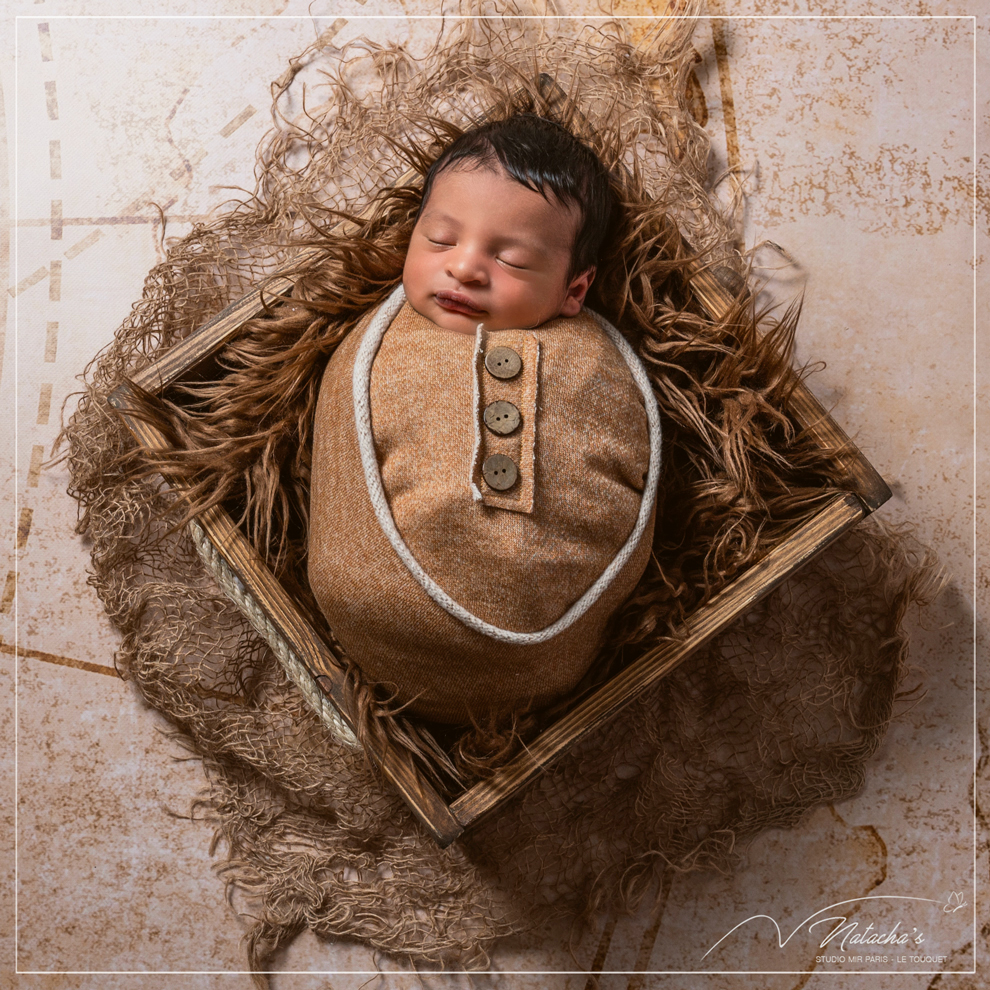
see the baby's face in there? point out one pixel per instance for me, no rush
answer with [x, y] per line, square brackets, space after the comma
[488, 250]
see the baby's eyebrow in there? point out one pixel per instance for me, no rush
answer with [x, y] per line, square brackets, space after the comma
[512, 240]
[433, 214]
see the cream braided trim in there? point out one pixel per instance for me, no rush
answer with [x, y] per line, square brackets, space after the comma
[361, 383]
[232, 586]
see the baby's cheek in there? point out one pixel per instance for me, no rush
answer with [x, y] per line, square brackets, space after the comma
[408, 279]
[414, 277]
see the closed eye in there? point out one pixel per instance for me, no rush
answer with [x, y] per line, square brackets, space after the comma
[509, 264]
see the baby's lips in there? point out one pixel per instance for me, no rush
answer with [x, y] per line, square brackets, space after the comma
[458, 303]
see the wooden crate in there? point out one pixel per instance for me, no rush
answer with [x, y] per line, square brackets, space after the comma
[313, 666]
[311, 663]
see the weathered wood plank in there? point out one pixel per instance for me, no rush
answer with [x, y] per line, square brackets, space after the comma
[839, 514]
[284, 614]
[211, 336]
[862, 477]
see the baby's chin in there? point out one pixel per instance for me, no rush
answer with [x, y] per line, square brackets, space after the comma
[454, 322]
[468, 324]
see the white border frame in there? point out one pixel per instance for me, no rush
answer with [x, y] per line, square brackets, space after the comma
[48, 17]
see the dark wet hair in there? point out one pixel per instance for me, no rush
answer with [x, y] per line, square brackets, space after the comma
[544, 157]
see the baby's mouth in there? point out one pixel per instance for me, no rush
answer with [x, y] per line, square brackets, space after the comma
[454, 302]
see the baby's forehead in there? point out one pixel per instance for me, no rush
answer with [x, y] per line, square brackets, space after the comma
[464, 193]
[479, 175]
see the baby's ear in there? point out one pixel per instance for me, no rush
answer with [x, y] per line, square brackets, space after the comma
[576, 292]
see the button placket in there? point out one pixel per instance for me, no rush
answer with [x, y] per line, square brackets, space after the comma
[507, 386]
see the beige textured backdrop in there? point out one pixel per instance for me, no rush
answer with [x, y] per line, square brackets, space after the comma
[855, 138]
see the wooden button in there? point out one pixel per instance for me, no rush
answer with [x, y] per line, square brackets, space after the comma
[502, 417]
[500, 472]
[503, 362]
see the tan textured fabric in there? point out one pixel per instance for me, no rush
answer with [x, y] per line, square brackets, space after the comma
[514, 569]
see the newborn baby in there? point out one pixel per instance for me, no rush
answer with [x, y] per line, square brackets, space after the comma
[486, 451]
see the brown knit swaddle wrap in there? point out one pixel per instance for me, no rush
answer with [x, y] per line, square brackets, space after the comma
[517, 560]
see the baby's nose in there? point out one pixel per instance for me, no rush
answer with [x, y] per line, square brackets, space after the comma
[467, 266]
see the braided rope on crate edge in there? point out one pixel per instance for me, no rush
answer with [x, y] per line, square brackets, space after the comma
[232, 586]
